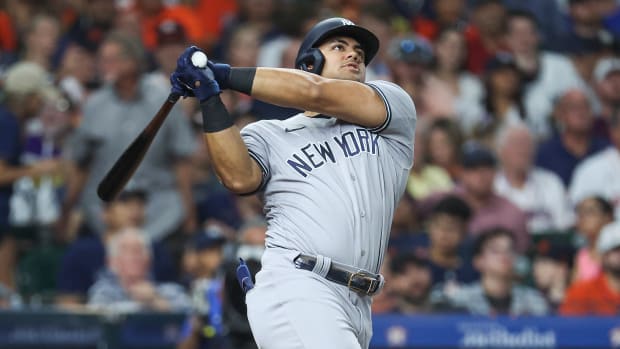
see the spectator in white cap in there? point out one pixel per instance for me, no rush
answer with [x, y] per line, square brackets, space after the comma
[599, 296]
[607, 86]
[24, 89]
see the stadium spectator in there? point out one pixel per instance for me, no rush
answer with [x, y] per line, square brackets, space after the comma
[89, 28]
[552, 262]
[410, 284]
[502, 102]
[425, 178]
[204, 328]
[444, 146]
[26, 86]
[601, 295]
[593, 213]
[449, 264]
[85, 257]
[538, 192]
[488, 19]
[409, 58]
[606, 81]
[549, 16]
[598, 175]
[43, 138]
[171, 40]
[127, 286]
[445, 13]
[40, 40]
[574, 140]
[77, 74]
[153, 12]
[489, 210]
[404, 232]
[113, 116]
[496, 293]
[455, 92]
[547, 75]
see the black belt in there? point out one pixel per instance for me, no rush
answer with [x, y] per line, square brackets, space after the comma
[357, 280]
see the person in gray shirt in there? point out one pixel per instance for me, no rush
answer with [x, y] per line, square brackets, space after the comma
[113, 116]
[497, 293]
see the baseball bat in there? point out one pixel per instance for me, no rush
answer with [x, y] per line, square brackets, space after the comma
[118, 176]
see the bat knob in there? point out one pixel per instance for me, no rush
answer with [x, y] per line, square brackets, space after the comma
[199, 59]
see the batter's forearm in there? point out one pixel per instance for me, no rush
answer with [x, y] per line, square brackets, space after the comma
[347, 100]
[232, 162]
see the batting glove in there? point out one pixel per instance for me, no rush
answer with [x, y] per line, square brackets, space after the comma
[189, 79]
[221, 73]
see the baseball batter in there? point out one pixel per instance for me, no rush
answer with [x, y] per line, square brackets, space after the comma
[331, 177]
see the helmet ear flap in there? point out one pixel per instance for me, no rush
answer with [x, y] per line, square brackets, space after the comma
[312, 57]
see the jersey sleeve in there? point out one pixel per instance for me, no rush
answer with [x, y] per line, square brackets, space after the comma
[399, 125]
[254, 137]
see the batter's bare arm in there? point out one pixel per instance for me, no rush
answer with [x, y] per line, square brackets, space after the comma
[351, 101]
[232, 162]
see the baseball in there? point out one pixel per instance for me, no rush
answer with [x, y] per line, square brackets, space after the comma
[199, 59]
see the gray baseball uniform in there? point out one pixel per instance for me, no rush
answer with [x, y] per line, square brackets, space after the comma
[330, 189]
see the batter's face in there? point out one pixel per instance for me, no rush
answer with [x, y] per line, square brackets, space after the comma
[344, 59]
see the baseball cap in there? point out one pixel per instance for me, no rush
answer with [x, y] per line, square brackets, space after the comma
[606, 66]
[474, 155]
[170, 31]
[411, 49]
[207, 238]
[27, 77]
[609, 238]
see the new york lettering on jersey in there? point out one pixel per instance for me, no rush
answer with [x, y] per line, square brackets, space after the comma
[350, 143]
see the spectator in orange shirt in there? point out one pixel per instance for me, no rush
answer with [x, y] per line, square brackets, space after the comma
[599, 296]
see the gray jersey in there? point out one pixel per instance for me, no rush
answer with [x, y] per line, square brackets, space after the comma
[330, 187]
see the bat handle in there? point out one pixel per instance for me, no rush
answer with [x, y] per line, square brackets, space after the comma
[173, 97]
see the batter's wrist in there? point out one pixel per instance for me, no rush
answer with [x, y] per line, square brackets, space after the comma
[215, 117]
[241, 79]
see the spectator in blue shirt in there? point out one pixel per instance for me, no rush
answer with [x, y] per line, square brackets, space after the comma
[574, 140]
[447, 230]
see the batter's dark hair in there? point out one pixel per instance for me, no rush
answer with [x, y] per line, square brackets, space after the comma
[488, 235]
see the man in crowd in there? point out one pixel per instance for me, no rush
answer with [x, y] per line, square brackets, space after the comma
[598, 175]
[85, 257]
[113, 116]
[574, 140]
[496, 293]
[127, 285]
[538, 192]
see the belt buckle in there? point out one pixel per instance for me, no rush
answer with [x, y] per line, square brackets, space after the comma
[364, 275]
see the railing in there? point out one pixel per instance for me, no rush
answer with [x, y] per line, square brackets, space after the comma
[50, 329]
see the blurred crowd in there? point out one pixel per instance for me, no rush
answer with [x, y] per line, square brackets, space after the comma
[512, 205]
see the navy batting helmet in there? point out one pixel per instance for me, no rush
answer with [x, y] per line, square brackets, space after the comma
[310, 55]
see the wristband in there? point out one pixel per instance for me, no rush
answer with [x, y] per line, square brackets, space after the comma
[242, 79]
[215, 117]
